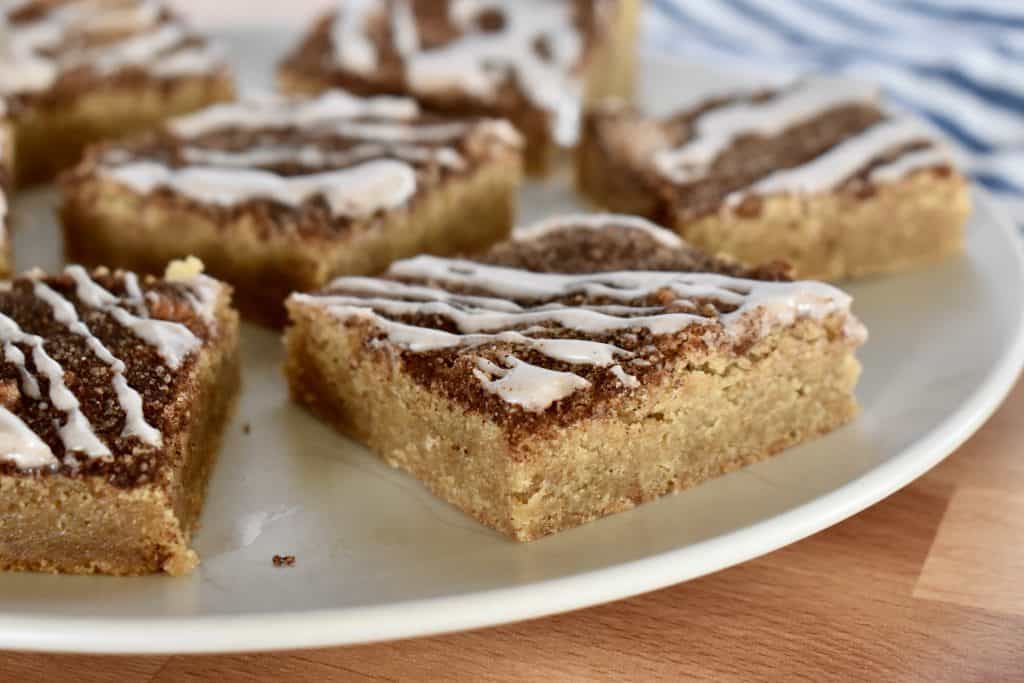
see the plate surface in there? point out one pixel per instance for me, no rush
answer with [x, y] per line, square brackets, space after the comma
[380, 558]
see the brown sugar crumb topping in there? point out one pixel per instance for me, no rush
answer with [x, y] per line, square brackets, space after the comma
[527, 342]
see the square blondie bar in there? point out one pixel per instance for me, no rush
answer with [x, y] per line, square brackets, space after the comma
[815, 173]
[77, 71]
[538, 63]
[114, 392]
[588, 365]
[278, 195]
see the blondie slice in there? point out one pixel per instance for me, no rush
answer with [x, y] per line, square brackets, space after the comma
[278, 195]
[534, 62]
[590, 364]
[76, 71]
[114, 392]
[815, 174]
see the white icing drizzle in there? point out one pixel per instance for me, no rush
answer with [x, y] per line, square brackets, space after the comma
[202, 293]
[34, 54]
[842, 161]
[397, 132]
[76, 433]
[12, 354]
[357, 191]
[134, 292]
[597, 221]
[716, 130]
[522, 309]
[173, 341]
[191, 61]
[314, 156]
[130, 401]
[281, 112]
[403, 28]
[20, 445]
[135, 50]
[529, 386]
[350, 35]
[899, 168]
[478, 62]
[378, 171]
[627, 380]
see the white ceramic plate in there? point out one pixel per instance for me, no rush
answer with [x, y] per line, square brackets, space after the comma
[380, 558]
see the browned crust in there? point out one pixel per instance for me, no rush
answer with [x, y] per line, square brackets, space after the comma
[92, 524]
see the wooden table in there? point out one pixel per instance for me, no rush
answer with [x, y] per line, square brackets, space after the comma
[928, 585]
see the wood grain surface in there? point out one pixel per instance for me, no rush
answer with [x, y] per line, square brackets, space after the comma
[927, 585]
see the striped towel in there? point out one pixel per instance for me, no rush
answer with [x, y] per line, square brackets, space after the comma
[960, 63]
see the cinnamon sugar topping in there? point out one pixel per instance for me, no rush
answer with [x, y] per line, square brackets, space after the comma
[46, 43]
[814, 135]
[89, 365]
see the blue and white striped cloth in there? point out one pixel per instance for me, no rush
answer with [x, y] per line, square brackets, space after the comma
[958, 62]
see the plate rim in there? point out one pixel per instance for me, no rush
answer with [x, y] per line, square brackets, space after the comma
[266, 632]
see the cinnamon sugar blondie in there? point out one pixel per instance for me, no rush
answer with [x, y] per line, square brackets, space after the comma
[588, 365]
[537, 63]
[278, 195]
[816, 174]
[114, 392]
[76, 71]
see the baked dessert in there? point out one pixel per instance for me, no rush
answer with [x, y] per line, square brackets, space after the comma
[590, 364]
[815, 174]
[76, 71]
[278, 195]
[114, 392]
[534, 62]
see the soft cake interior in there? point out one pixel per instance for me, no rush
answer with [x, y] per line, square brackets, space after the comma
[53, 522]
[705, 415]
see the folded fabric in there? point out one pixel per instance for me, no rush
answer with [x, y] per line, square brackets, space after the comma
[960, 63]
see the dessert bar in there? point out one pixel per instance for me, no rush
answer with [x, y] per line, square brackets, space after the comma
[534, 62]
[76, 71]
[814, 173]
[278, 195]
[114, 392]
[588, 365]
